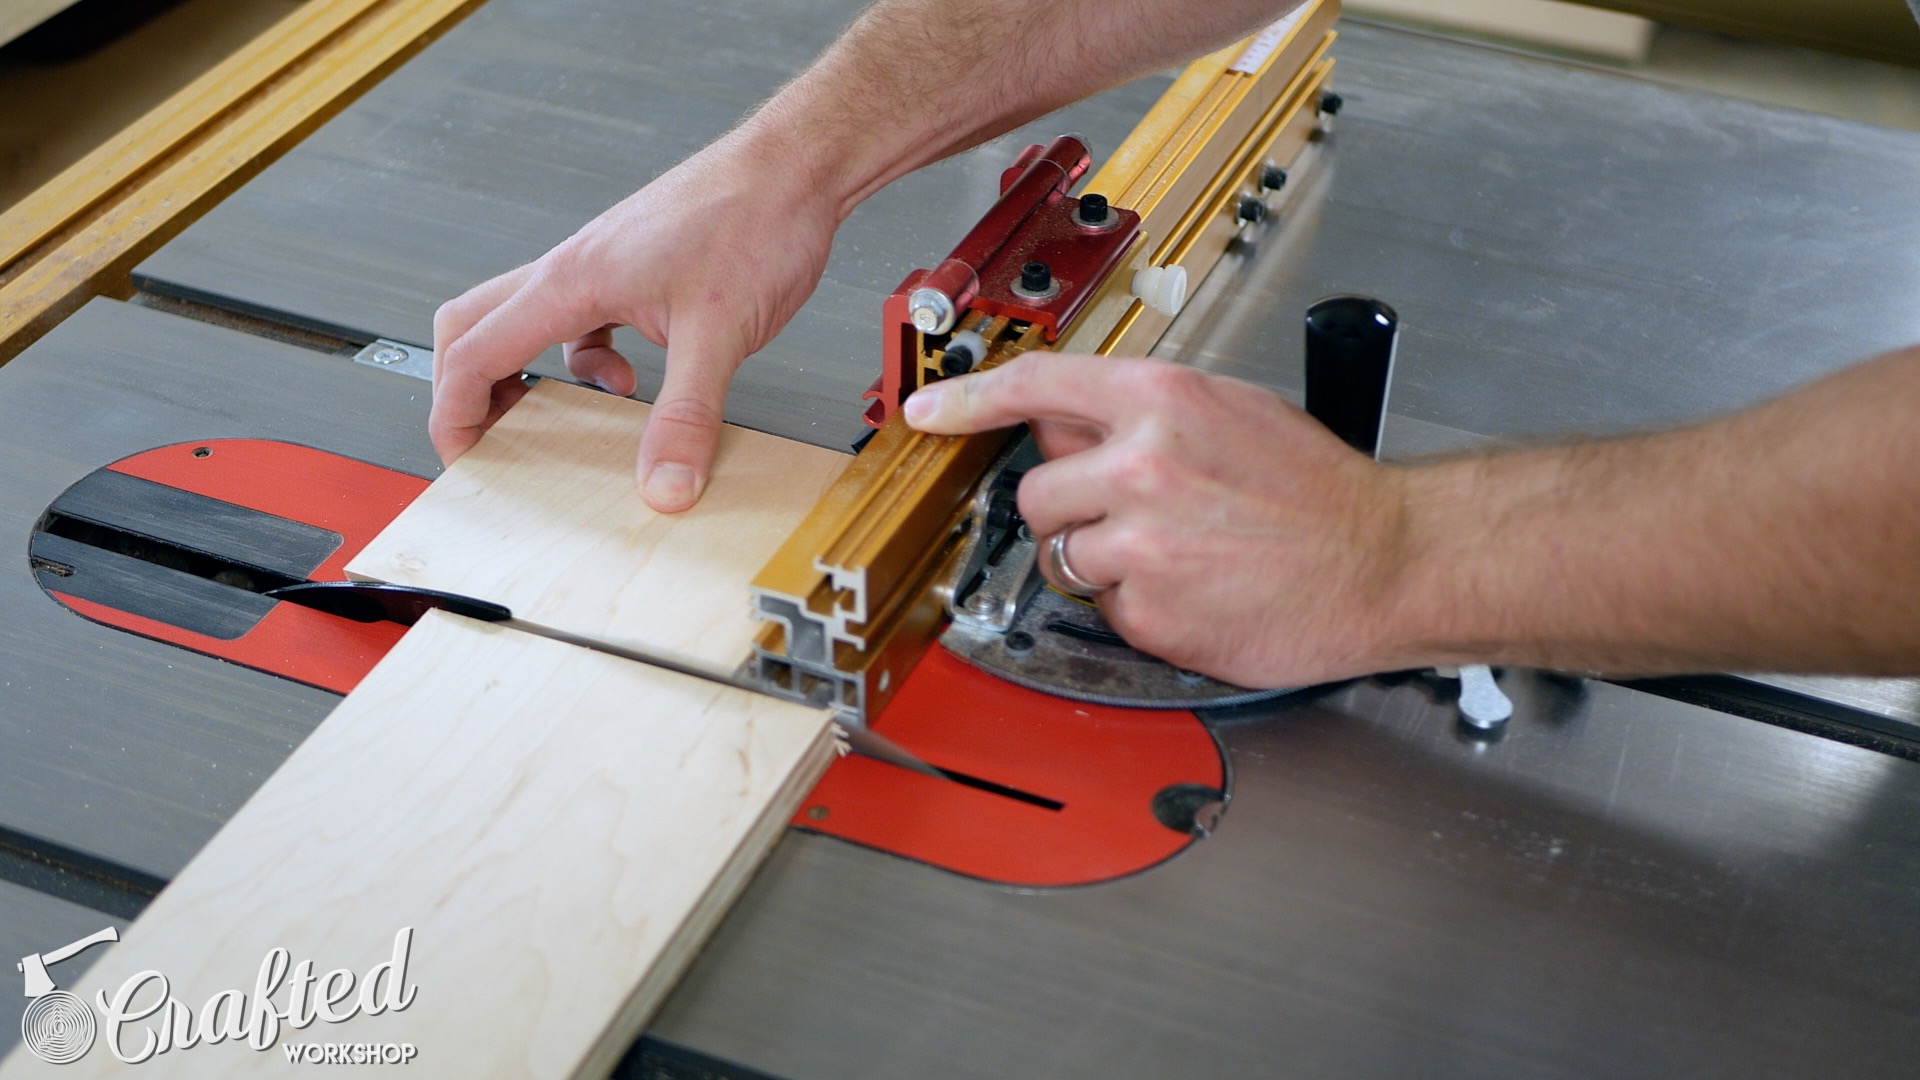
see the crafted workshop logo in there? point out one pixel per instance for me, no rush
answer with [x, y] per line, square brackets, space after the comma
[143, 1018]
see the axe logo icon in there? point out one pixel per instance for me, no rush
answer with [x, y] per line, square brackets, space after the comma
[58, 1027]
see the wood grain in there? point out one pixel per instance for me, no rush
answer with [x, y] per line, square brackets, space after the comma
[544, 517]
[561, 828]
[80, 234]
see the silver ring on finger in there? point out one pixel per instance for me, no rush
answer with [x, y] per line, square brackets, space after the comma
[1062, 572]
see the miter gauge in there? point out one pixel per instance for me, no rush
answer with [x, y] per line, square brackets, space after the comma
[1006, 620]
[917, 540]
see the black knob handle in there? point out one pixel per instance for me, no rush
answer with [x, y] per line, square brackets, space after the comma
[1350, 341]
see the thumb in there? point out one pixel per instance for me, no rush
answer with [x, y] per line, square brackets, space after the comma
[683, 430]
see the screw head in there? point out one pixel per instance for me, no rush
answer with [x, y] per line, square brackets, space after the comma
[1273, 177]
[1094, 213]
[1252, 210]
[963, 353]
[931, 310]
[388, 355]
[1330, 103]
[1019, 644]
[1036, 282]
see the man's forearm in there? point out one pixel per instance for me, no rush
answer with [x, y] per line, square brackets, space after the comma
[1786, 537]
[913, 81]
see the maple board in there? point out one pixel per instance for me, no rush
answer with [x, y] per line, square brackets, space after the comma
[560, 828]
[544, 516]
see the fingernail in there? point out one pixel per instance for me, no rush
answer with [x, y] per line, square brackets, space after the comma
[923, 404]
[671, 486]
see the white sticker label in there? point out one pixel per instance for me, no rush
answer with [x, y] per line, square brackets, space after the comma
[1268, 40]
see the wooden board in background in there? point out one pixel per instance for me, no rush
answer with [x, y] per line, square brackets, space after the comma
[79, 234]
[1554, 23]
[561, 829]
[544, 516]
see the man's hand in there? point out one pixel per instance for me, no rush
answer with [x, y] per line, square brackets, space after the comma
[1242, 540]
[713, 258]
[1240, 537]
[699, 261]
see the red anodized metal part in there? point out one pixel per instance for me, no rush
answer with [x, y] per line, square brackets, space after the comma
[1034, 220]
[348, 497]
[1103, 765]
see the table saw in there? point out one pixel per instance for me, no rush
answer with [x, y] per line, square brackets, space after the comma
[1702, 876]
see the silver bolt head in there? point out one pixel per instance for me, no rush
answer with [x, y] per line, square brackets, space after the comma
[931, 310]
[387, 354]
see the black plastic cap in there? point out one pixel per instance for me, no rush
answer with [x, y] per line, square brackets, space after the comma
[1350, 346]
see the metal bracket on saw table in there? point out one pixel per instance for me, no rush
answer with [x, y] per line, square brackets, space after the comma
[398, 356]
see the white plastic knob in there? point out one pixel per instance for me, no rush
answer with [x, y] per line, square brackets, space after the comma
[1162, 288]
[969, 344]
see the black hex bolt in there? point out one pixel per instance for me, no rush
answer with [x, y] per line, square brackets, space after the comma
[1330, 103]
[1252, 210]
[1273, 178]
[962, 354]
[1036, 277]
[1093, 210]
